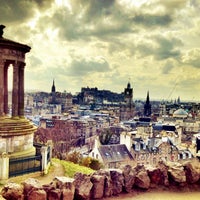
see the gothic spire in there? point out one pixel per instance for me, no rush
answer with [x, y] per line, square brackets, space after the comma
[147, 106]
[147, 100]
[53, 88]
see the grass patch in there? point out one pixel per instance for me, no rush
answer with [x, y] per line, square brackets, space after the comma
[71, 169]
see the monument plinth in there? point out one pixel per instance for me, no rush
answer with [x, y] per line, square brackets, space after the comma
[16, 132]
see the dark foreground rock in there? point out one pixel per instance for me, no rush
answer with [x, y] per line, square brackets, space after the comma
[97, 191]
[129, 174]
[176, 174]
[13, 191]
[83, 186]
[192, 172]
[155, 176]
[109, 182]
[142, 179]
[31, 186]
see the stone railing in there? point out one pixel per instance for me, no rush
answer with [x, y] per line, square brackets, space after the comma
[107, 183]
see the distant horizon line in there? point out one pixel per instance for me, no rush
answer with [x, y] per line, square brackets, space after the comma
[136, 98]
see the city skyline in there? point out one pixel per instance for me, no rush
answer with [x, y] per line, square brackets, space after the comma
[152, 44]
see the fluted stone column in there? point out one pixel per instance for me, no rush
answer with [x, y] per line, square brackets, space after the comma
[15, 91]
[2, 63]
[21, 90]
[6, 88]
[44, 159]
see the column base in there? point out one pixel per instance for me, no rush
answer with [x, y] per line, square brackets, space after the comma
[15, 117]
[22, 117]
[3, 117]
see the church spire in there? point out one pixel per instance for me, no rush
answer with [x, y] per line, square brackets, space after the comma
[147, 100]
[53, 88]
[147, 106]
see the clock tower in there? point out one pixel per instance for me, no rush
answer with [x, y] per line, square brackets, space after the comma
[127, 107]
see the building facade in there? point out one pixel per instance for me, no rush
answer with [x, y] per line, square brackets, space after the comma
[127, 107]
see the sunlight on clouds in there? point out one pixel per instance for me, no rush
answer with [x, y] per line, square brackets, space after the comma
[61, 3]
[52, 34]
[103, 43]
[136, 3]
[192, 57]
[33, 22]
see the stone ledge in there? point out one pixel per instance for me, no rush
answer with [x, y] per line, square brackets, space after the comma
[11, 127]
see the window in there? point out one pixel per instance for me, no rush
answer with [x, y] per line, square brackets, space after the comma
[107, 154]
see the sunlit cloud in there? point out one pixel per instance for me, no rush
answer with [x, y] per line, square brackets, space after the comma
[104, 44]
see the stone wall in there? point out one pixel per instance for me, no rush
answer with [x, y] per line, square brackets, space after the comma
[108, 182]
[16, 143]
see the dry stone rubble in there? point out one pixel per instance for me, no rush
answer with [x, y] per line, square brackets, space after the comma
[107, 182]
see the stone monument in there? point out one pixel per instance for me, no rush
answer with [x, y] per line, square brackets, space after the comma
[16, 132]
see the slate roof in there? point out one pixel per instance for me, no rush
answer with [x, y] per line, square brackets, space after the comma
[114, 153]
[143, 123]
[160, 127]
[145, 119]
[152, 146]
[169, 127]
[157, 127]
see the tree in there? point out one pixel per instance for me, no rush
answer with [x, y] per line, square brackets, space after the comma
[105, 136]
[95, 164]
[74, 157]
[91, 163]
[86, 161]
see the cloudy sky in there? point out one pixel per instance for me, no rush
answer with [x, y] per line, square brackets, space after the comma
[154, 44]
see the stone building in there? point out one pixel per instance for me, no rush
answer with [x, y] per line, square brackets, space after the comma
[66, 134]
[127, 107]
[152, 143]
[112, 156]
[98, 97]
[156, 150]
[63, 100]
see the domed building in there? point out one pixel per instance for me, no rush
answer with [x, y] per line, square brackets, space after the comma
[180, 113]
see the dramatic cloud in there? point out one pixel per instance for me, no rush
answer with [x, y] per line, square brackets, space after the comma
[160, 47]
[167, 67]
[148, 20]
[88, 66]
[167, 48]
[192, 58]
[13, 11]
[106, 43]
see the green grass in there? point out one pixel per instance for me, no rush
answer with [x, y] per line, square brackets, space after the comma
[71, 169]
